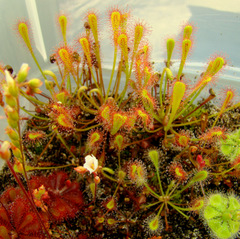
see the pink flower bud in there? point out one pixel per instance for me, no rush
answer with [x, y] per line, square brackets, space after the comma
[80, 169]
[12, 123]
[5, 153]
[18, 167]
[97, 180]
[35, 83]
[12, 133]
[11, 113]
[16, 152]
[10, 100]
[23, 72]
[11, 87]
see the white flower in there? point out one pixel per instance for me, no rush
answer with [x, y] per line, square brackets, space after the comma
[91, 163]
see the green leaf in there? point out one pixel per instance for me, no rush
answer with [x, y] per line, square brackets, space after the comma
[211, 212]
[233, 203]
[218, 201]
[220, 229]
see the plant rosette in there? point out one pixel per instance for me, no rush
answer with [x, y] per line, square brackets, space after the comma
[221, 214]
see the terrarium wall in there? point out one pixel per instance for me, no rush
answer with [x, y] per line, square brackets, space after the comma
[217, 24]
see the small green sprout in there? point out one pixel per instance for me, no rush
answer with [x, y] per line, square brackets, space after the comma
[222, 215]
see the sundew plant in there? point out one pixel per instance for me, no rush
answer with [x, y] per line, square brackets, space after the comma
[94, 161]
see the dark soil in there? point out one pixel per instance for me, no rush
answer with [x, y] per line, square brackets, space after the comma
[130, 214]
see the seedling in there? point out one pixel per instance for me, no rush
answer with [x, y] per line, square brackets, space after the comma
[221, 214]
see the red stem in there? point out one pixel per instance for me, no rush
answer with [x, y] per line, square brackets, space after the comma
[27, 196]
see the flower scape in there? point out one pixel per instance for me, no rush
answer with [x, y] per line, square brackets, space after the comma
[155, 159]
